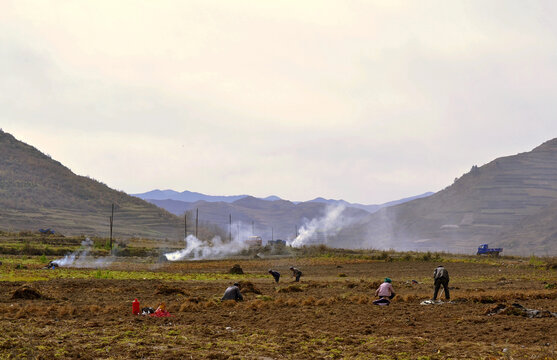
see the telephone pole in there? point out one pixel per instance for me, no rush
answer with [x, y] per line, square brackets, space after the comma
[111, 223]
[196, 220]
[230, 227]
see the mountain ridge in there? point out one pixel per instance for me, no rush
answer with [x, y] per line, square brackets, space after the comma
[485, 205]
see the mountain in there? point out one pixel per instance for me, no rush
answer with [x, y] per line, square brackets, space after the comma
[270, 219]
[39, 192]
[509, 202]
[178, 202]
[370, 208]
[186, 196]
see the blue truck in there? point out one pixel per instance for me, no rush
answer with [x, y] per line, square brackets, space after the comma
[483, 249]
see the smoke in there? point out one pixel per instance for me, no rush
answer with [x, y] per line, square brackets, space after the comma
[215, 249]
[319, 230]
[81, 258]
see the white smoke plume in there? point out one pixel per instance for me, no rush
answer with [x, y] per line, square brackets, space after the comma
[215, 249]
[317, 230]
[80, 258]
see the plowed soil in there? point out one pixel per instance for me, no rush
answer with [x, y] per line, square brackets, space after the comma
[327, 315]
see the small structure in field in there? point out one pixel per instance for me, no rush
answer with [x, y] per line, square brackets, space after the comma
[254, 241]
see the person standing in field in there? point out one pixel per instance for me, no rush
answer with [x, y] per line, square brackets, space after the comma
[441, 277]
[275, 274]
[296, 273]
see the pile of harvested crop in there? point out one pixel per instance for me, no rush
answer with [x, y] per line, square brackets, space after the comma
[27, 293]
[248, 287]
[236, 269]
[290, 288]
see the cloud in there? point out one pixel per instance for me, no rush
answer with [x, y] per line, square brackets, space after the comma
[367, 101]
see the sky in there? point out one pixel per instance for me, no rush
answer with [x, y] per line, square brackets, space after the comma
[366, 101]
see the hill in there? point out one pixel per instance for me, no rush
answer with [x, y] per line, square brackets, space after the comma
[508, 202]
[39, 192]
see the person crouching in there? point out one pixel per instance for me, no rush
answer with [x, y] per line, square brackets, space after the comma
[386, 293]
[233, 293]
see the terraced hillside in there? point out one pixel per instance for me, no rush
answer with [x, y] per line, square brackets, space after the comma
[509, 202]
[38, 192]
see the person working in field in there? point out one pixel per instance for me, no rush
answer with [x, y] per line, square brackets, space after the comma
[296, 273]
[233, 293]
[386, 292]
[275, 274]
[441, 277]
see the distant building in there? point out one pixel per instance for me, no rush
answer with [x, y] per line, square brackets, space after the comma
[254, 241]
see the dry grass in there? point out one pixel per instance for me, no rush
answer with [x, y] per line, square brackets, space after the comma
[290, 289]
[308, 301]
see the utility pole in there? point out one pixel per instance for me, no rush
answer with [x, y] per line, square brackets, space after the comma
[296, 229]
[111, 225]
[185, 225]
[230, 227]
[252, 229]
[196, 220]
[272, 234]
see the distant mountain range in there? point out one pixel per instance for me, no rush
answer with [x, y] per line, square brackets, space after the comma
[371, 208]
[190, 196]
[270, 217]
[179, 202]
[510, 202]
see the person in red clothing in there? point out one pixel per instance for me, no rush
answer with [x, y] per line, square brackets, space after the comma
[161, 311]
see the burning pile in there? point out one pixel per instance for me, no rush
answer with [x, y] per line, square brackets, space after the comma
[81, 258]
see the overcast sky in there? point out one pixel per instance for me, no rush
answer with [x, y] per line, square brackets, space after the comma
[365, 101]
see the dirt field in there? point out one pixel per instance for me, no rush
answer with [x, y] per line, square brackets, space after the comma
[86, 313]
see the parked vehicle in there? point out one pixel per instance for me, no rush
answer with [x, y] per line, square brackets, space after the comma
[484, 249]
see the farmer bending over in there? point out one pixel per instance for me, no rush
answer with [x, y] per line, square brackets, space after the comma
[233, 293]
[296, 273]
[276, 275]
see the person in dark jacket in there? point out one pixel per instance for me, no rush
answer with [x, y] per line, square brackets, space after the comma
[296, 273]
[441, 277]
[276, 275]
[233, 293]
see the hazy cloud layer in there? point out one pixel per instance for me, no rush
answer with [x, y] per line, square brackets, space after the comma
[366, 101]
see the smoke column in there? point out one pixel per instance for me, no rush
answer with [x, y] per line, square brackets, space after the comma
[215, 249]
[330, 224]
[80, 258]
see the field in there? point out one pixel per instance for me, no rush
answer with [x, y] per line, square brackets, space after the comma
[85, 313]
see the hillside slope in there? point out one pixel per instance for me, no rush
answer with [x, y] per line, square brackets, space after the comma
[37, 191]
[509, 202]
